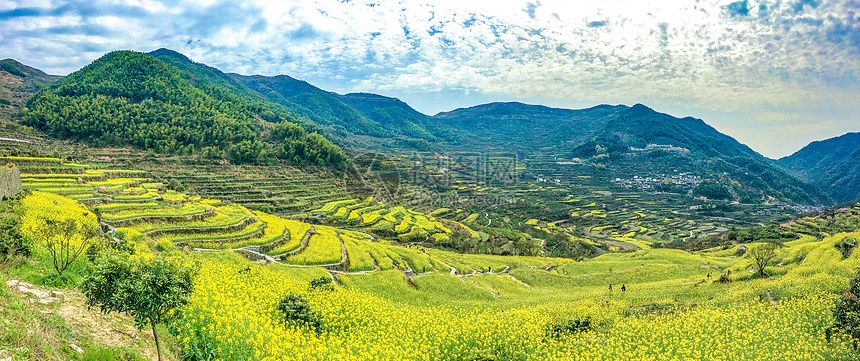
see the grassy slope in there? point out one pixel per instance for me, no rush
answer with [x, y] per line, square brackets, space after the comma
[387, 315]
[491, 308]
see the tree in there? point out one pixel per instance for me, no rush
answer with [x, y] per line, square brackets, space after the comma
[761, 255]
[62, 226]
[150, 290]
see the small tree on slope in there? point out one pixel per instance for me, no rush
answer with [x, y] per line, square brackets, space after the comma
[761, 255]
[150, 290]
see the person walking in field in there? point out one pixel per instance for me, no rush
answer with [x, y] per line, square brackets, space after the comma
[610, 287]
[623, 288]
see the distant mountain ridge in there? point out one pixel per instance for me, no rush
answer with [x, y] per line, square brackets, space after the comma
[357, 120]
[611, 136]
[831, 164]
[18, 82]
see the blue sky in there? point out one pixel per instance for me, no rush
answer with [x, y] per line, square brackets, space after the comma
[773, 74]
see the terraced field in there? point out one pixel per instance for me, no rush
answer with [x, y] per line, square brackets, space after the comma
[393, 222]
[145, 208]
[139, 205]
[275, 190]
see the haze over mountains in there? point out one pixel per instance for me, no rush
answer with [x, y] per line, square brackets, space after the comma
[165, 102]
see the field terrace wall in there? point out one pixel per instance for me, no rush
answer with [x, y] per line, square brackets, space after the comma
[10, 182]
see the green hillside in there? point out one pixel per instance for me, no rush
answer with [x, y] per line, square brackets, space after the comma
[18, 82]
[358, 120]
[628, 142]
[526, 129]
[359, 297]
[832, 165]
[316, 104]
[128, 98]
[169, 104]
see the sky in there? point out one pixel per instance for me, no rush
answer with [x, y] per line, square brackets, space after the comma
[773, 74]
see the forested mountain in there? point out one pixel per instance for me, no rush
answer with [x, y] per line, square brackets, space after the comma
[375, 119]
[832, 165]
[618, 137]
[416, 129]
[322, 107]
[526, 129]
[18, 83]
[129, 98]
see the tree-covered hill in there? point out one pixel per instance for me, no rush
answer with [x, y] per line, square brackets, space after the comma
[629, 141]
[831, 164]
[416, 130]
[302, 98]
[165, 102]
[526, 129]
[129, 98]
[704, 150]
[359, 120]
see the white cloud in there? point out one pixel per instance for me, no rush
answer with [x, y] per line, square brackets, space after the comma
[678, 53]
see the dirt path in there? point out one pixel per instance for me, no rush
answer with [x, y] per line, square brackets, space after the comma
[521, 282]
[111, 330]
[453, 270]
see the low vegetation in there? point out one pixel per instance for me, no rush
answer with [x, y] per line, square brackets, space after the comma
[412, 297]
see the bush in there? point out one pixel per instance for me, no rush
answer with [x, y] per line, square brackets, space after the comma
[846, 313]
[175, 186]
[297, 311]
[321, 284]
[846, 247]
[562, 328]
[11, 241]
[741, 251]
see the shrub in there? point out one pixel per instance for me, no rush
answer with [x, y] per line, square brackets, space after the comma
[561, 328]
[321, 284]
[118, 245]
[297, 311]
[11, 241]
[175, 185]
[846, 313]
[741, 251]
[846, 247]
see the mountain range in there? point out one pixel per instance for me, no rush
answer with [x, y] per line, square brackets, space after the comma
[165, 102]
[831, 164]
